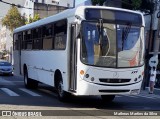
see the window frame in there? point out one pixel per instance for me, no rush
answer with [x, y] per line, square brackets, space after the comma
[23, 41]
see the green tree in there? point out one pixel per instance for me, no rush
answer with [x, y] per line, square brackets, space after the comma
[136, 4]
[131, 4]
[143, 5]
[13, 19]
[94, 2]
[35, 18]
[100, 2]
[147, 6]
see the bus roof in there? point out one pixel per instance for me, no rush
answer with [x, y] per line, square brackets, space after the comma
[69, 13]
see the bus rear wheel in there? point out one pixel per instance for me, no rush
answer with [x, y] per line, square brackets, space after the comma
[107, 98]
[29, 83]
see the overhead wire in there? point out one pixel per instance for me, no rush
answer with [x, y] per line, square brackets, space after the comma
[20, 6]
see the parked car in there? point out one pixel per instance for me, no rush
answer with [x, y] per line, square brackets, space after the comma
[6, 67]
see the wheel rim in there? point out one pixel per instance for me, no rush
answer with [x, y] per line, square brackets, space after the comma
[60, 89]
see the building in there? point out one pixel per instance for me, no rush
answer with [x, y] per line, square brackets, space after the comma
[6, 43]
[5, 35]
[3, 39]
[45, 8]
[42, 7]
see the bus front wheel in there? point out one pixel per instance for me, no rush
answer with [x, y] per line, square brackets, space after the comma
[62, 95]
[107, 98]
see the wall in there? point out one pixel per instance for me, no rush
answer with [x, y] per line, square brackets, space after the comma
[45, 8]
[28, 12]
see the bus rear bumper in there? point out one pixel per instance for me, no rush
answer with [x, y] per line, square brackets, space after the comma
[87, 88]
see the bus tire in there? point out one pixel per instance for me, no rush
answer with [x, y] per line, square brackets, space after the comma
[34, 84]
[107, 98]
[62, 95]
[29, 83]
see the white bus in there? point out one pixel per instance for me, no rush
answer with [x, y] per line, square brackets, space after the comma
[83, 51]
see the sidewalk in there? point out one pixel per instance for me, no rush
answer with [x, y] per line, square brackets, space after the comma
[156, 90]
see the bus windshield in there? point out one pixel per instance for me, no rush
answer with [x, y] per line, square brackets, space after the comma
[111, 45]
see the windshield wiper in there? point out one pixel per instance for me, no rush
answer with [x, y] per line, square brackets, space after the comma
[125, 32]
[100, 29]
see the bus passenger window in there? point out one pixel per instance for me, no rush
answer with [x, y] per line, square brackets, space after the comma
[37, 40]
[60, 35]
[16, 43]
[23, 41]
[47, 30]
[47, 37]
[28, 40]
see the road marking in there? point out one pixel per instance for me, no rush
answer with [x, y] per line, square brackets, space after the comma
[9, 92]
[29, 92]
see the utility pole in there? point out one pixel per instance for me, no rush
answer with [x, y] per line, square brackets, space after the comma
[74, 3]
[153, 29]
[153, 62]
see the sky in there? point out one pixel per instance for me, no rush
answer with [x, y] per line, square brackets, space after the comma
[4, 7]
[79, 1]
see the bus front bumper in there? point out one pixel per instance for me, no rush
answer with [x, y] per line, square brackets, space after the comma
[87, 88]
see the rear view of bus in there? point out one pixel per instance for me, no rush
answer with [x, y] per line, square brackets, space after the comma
[111, 53]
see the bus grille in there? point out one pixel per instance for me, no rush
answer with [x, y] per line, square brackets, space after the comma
[113, 91]
[115, 80]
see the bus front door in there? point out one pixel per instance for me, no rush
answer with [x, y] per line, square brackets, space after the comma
[73, 59]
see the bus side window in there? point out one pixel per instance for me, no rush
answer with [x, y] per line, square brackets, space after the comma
[37, 39]
[47, 37]
[15, 47]
[28, 40]
[23, 41]
[60, 35]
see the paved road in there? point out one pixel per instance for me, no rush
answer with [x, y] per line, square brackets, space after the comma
[14, 96]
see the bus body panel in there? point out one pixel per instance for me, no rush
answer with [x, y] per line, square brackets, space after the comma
[41, 65]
